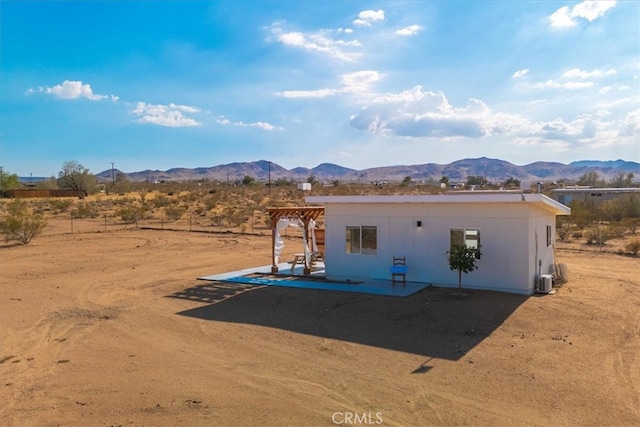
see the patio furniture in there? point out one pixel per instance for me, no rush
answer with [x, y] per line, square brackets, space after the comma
[297, 259]
[399, 270]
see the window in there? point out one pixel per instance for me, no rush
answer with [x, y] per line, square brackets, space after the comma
[549, 235]
[362, 240]
[468, 236]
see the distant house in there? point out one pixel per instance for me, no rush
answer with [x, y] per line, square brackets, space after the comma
[583, 194]
[516, 233]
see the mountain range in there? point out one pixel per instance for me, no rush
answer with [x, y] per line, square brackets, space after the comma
[494, 170]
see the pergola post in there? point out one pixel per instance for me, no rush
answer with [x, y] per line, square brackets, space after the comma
[307, 266]
[274, 266]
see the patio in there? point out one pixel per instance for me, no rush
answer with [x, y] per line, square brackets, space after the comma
[294, 278]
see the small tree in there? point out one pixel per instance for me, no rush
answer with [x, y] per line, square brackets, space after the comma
[21, 224]
[463, 258]
[511, 183]
[74, 176]
[8, 180]
[248, 180]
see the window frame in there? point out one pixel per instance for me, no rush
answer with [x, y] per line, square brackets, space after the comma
[463, 238]
[361, 239]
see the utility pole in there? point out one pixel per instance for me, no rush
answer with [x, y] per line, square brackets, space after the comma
[269, 177]
[113, 176]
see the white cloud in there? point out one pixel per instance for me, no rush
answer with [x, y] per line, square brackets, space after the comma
[591, 10]
[588, 10]
[571, 85]
[574, 79]
[520, 73]
[165, 115]
[594, 74]
[415, 113]
[561, 18]
[73, 89]
[631, 125]
[429, 115]
[261, 125]
[358, 82]
[319, 93]
[368, 17]
[320, 41]
[411, 30]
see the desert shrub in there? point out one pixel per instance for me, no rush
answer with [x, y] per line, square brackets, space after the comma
[191, 196]
[616, 231]
[236, 216]
[564, 231]
[131, 214]
[161, 201]
[631, 224]
[210, 202]
[21, 225]
[216, 219]
[174, 213]
[84, 210]
[60, 205]
[583, 213]
[599, 235]
[633, 247]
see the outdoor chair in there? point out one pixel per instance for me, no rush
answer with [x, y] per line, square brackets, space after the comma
[399, 270]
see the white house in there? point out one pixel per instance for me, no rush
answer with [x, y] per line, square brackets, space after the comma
[516, 232]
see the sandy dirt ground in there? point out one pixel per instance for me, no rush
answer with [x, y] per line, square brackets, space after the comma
[113, 329]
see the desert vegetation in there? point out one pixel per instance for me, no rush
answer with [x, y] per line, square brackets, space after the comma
[240, 206]
[610, 226]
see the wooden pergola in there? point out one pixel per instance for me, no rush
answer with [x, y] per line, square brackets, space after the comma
[305, 214]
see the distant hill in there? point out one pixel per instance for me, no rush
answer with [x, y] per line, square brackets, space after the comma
[621, 165]
[492, 169]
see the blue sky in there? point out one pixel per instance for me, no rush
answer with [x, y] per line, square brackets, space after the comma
[156, 85]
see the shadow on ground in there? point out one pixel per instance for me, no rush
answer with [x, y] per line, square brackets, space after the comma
[432, 323]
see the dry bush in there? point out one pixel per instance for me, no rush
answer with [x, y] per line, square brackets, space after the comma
[84, 210]
[21, 224]
[564, 231]
[174, 213]
[633, 247]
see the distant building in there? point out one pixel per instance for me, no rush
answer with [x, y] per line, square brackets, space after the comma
[569, 194]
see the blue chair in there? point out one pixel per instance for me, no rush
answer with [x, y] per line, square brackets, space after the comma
[399, 270]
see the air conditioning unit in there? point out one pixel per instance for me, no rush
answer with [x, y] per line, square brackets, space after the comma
[545, 282]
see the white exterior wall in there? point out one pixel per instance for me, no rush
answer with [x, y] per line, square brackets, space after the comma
[507, 237]
[541, 256]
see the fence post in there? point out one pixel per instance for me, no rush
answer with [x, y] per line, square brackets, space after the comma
[71, 223]
[105, 222]
[190, 218]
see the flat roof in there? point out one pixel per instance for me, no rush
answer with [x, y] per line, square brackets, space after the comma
[470, 197]
[596, 190]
